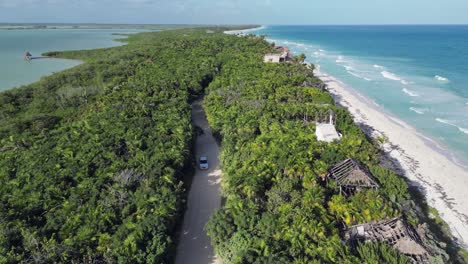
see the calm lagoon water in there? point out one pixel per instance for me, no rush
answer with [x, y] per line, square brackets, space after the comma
[417, 73]
[14, 71]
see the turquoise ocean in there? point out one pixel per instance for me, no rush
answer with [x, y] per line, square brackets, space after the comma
[14, 71]
[418, 74]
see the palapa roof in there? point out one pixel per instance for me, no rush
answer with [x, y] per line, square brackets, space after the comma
[350, 173]
[279, 51]
[395, 233]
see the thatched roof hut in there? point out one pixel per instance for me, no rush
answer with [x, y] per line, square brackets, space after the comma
[396, 233]
[351, 177]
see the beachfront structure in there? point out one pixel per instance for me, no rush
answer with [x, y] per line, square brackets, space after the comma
[325, 128]
[352, 177]
[318, 85]
[27, 56]
[393, 232]
[281, 55]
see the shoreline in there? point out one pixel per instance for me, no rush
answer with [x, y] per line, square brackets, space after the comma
[418, 158]
[421, 160]
[243, 31]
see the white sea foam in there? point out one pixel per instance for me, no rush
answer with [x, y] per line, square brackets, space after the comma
[390, 76]
[355, 74]
[233, 32]
[451, 123]
[441, 78]
[418, 110]
[410, 93]
[359, 76]
[378, 66]
[464, 130]
[404, 82]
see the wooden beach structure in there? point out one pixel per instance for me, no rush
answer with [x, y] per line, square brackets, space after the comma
[280, 55]
[317, 85]
[394, 232]
[325, 127]
[352, 177]
[27, 56]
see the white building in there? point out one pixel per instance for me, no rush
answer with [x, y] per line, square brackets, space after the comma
[282, 55]
[327, 132]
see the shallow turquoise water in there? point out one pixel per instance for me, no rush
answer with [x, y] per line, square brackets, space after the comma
[14, 71]
[417, 73]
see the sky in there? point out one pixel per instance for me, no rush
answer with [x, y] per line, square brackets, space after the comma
[264, 12]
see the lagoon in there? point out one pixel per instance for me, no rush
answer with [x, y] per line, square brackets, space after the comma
[14, 71]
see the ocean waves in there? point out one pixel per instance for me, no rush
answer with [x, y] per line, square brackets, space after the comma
[359, 76]
[441, 78]
[420, 111]
[410, 93]
[390, 76]
[419, 90]
[452, 123]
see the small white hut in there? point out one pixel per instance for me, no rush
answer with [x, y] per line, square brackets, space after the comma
[326, 131]
[283, 55]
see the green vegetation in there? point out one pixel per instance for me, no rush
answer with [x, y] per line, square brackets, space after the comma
[279, 209]
[92, 158]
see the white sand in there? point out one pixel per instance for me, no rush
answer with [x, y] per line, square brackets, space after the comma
[444, 183]
[243, 31]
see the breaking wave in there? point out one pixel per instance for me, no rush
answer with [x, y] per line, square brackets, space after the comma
[441, 78]
[420, 111]
[390, 76]
[450, 123]
[378, 66]
[410, 93]
[358, 76]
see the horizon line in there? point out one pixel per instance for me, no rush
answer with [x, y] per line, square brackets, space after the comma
[228, 24]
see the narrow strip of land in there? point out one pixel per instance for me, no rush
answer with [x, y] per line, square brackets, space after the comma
[203, 199]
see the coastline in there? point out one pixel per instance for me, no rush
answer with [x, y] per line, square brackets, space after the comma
[422, 164]
[243, 31]
[420, 159]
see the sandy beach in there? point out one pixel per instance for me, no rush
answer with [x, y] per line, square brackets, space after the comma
[442, 181]
[243, 31]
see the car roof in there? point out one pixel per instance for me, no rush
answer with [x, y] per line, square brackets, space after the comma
[203, 158]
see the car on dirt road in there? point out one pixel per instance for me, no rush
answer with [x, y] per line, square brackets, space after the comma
[203, 163]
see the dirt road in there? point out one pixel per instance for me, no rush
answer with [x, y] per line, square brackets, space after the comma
[203, 199]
